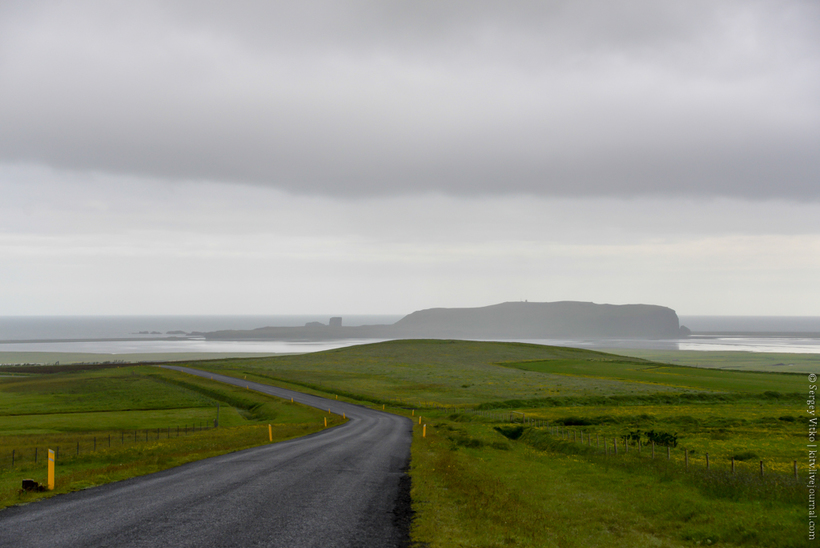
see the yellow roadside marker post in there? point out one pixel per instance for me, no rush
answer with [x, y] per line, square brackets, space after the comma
[50, 470]
[424, 431]
[413, 412]
[344, 416]
[291, 400]
[419, 419]
[325, 422]
[270, 432]
[382, 406]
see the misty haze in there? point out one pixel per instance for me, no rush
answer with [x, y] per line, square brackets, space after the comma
[454, 273]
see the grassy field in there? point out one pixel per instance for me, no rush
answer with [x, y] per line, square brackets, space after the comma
[480, 480]
[740, 361]
[661, 375]
[766, 430]
[472, 486]
[118, 422]
[475, 486]
[431, 373]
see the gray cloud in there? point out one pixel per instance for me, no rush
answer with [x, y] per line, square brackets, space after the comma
[98, 244]
[374, 98]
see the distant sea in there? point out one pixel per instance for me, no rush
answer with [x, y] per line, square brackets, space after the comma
[144, 334]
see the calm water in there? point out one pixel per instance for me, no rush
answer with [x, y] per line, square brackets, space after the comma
[110, 327]
[33, 328]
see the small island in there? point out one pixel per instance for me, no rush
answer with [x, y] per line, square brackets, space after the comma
[510, 320]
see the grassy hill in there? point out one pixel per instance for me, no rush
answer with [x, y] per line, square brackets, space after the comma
[465, 373]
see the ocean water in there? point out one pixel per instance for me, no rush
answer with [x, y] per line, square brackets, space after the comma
[182, 346]
[752, 324]
[28, 328]
[30, 333]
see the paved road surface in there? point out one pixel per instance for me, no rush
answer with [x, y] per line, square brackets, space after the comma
[343, 487]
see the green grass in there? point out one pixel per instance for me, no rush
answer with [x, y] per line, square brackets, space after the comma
[114, 389]
[672, 376]
[739, 361]
[147, 413]
[116, 420]
[474, 487]
[437, 373]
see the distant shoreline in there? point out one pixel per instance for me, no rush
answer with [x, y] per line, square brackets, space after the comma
[115, 339]
[324, 336]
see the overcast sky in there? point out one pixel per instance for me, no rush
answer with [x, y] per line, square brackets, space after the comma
[381, 157]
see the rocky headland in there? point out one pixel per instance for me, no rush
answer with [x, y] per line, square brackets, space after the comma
[511, 320]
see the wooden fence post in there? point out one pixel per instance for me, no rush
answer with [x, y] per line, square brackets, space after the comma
[733, 465]
[761, 469]
[615, 444]
[653, 450]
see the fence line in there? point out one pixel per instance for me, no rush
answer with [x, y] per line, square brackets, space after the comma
[87, 443]
[563, 434]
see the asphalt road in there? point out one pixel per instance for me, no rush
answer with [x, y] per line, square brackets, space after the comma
[344, 486]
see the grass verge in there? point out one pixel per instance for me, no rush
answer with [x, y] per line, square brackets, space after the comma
[474, 487]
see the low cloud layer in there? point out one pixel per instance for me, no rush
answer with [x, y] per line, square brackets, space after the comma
[465, 98]
[114, 245]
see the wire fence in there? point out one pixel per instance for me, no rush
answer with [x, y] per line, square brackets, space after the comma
[74, 445]
[623, 445]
